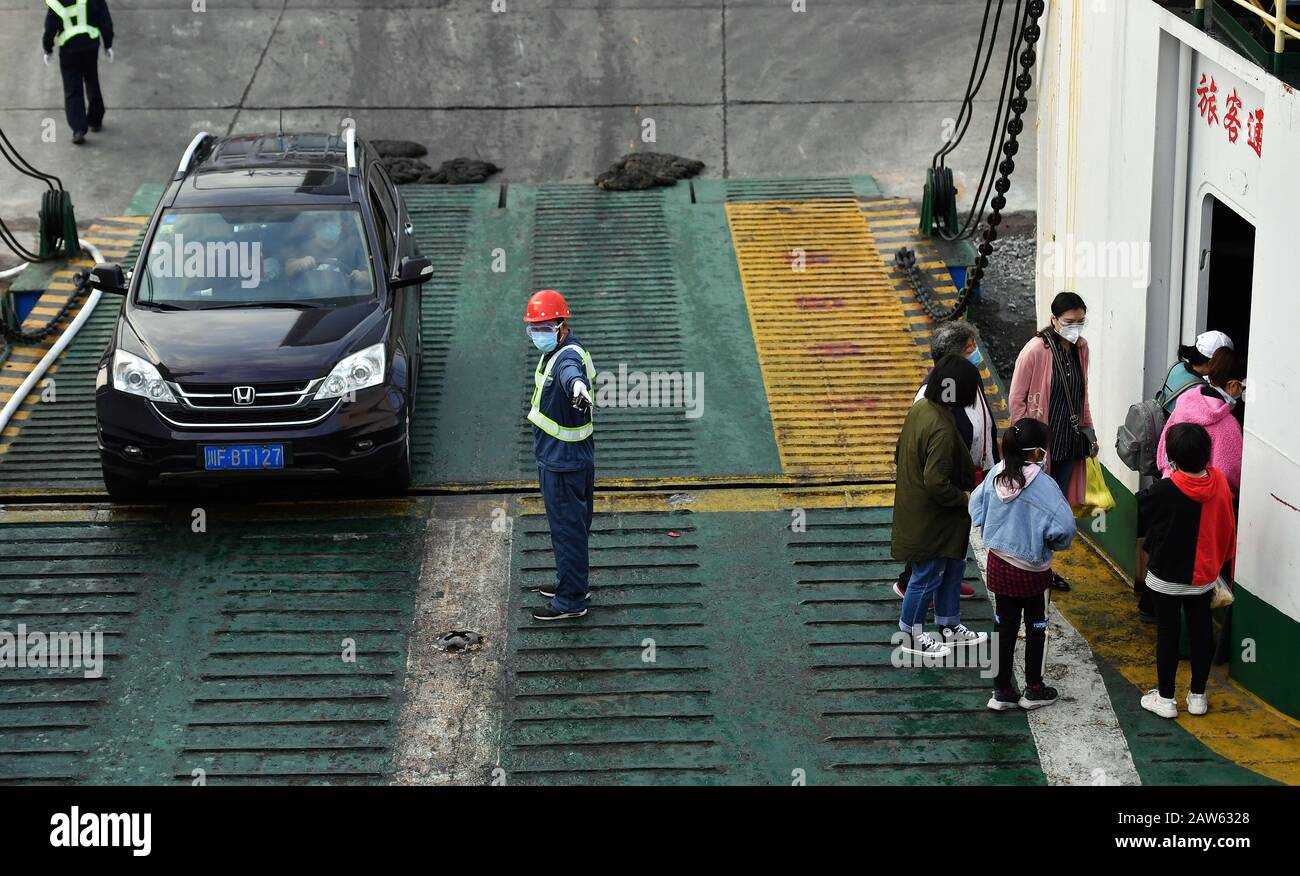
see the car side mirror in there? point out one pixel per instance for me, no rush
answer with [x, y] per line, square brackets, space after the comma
[412, 272]
[108, 278]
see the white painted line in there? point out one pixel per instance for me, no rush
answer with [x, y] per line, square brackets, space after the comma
[1079, 739]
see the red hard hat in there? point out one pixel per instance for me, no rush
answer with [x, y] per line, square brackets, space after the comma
[546, 304]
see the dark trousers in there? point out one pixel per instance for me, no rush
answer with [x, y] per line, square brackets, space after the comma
[1200, 632]
[81, 82]
[1062, 471]
[568, 497]
[1006, 620]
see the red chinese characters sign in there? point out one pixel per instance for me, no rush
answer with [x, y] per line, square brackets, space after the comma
[1207, 107]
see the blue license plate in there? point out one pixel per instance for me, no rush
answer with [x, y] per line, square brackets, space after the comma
[239, 457]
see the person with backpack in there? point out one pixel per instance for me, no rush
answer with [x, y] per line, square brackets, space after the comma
[1023, 517]
[1139, 440]
[1050, 383]
[1192, 365]
[1189, 531]
[1212, 406]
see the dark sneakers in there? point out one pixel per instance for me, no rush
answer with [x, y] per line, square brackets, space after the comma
[1004, 700]
[1036, 696]
[547, 613]
[79, 137]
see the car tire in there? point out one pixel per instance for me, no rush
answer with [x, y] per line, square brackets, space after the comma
[396, 479]
[124, 487]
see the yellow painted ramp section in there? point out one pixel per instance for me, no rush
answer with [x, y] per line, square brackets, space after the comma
[840, 363]
[894, 223]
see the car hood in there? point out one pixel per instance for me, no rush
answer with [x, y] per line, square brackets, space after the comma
[252, 345]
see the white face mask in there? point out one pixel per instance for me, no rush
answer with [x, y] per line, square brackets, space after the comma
[1071, 333]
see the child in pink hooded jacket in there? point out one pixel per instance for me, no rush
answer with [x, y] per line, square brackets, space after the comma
[1210, 407]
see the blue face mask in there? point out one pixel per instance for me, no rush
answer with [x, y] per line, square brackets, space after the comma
[544, 340]
[975, 358]
[329, 231]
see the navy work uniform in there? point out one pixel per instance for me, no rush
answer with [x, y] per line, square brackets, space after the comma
[566, 465]
[79, 28]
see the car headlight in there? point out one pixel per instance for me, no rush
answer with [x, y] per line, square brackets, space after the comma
[134, 375]
[362, 369]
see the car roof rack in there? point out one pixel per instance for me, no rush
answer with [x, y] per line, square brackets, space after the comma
[350, 140]
[184, 167]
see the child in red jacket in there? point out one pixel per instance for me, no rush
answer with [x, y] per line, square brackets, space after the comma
[1190, 534]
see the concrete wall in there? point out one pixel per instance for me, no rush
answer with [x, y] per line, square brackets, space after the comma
[1126, 158]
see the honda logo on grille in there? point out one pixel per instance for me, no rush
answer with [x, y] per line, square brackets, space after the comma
[243, 395]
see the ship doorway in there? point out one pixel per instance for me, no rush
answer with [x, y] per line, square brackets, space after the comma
[1227, 273]
[1225, 276]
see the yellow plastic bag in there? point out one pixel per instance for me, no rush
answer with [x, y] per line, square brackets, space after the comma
[1097, 496]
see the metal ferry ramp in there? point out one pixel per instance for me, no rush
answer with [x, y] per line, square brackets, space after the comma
[745, 551]
[795, 375]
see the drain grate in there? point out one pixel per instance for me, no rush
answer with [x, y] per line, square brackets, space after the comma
[269, 649]
[585, 706]
[610, 254]
[442, 216]
[771, 662]
[789, 188]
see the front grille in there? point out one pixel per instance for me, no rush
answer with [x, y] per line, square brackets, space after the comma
[220, 396]
[304, 414]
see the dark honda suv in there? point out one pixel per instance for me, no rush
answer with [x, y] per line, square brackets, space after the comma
[271, 323]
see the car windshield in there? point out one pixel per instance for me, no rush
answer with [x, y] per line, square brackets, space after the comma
[257, 257]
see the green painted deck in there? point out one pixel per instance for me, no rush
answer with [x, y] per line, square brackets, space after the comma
[771, 662]
[771, 653]
[224, 649]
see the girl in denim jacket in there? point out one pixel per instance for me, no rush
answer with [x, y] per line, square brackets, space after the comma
[1023, 518]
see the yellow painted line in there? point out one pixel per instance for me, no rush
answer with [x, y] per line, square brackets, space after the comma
[834, 346]
[1238, 726]
[735, 501]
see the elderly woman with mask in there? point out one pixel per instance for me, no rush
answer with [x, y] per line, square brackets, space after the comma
[974, 423]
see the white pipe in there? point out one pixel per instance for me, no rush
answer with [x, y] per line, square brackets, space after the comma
[12, 272]
[53, 353]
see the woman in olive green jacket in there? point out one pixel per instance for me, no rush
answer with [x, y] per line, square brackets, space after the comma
[931, 526]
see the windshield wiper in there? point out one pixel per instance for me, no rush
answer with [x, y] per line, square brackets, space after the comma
[297, 305]
[159, 305]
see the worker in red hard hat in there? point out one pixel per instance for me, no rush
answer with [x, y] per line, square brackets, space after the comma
[560, 412]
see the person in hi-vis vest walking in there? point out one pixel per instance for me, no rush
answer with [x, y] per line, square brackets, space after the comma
[561, 414]
[78, 28]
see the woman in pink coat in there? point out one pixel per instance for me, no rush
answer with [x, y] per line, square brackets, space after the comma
[1050, 383]
[1212, 406]
[1037, 386]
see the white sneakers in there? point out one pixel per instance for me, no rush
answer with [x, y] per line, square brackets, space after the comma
[1153, 702]
[1197, 704]
[962, 636]
[925, 645]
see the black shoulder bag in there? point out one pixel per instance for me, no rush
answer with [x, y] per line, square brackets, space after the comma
[1080, 443]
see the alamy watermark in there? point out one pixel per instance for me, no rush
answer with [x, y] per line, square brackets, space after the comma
[25, 649]
[1070, 257]
[212, 259]
[626, 388]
